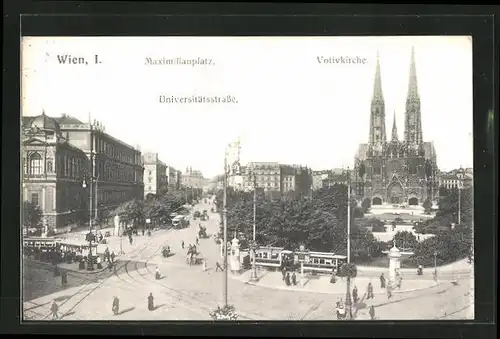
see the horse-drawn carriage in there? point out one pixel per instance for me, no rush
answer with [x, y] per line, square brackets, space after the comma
[193, 257]
[166, 252]
[202, 233]
[204, 215]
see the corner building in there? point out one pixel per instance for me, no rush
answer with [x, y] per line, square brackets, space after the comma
[59, 154]
[396, 171]
[52, 171]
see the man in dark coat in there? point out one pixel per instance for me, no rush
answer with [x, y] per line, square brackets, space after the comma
[355, 294]
[151, 305]
[370, 291]
[54, 308]
[372, 312]
[116, 305]
[382, 281]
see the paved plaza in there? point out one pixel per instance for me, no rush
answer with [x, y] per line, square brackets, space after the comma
[188, 293]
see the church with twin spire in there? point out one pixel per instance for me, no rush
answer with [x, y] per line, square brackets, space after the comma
[396, 171]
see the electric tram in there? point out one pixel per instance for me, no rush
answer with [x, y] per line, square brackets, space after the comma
[317, 262]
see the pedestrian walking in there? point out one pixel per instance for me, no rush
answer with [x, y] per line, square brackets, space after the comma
[204, 265]
[116, 306]
[355, 294]
[389, 291]
[64, 279]
[110, 266]
[99, 264]
[372, 312]
[283, 273]
[294, 279]
[54, 309]
[287, 279]
[370, 291]
[382, 281]
[182, 244]
[197, 241]
[218, 266]
[151, 305]
[113, 255]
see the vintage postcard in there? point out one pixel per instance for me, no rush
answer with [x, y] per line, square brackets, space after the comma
[247, 178]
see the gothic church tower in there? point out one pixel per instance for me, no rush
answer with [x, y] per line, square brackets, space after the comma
[377, 116]
[413, 117]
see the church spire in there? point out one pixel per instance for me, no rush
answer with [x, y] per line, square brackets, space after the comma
[412, 84]
[413, 116]
[394, 129]
[377, 116]
[377, 86]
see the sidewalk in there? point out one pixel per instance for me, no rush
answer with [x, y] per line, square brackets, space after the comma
[73, 267]
[458, 267]
[321, 284]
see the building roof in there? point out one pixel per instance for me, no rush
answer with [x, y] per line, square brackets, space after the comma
[66, 119]
[41, 121]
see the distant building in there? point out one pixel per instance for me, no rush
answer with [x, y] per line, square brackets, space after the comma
[318, 177]
[335, 179]
[193, 178]
[274, 177]
[155, 175]
[450, 180]
[60, 154]
[172, 178]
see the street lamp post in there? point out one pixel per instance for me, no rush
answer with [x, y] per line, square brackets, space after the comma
[90, 266]
[224, 216]
[460, 177]
[254, 244]
[348, 285]
[348, 215]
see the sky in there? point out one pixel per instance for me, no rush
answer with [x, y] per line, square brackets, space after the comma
[285, 105]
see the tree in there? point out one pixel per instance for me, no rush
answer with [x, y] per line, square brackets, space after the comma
[366, 204]
[405, 240]
[427, 205]
[319, 223]
[132, 210]
[449, 245]
[32, 215]
[448, 206]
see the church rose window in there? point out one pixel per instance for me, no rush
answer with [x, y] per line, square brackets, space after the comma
[35, 164]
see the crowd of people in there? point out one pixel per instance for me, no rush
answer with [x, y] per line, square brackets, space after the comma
[56, 253]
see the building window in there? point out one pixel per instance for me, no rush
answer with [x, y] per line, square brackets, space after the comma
[49, 166]
[35, 164]
[25, 166]
[34, 199]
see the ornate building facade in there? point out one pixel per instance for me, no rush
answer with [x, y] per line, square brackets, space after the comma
[52, 172]
[60, 154]
[396, 171]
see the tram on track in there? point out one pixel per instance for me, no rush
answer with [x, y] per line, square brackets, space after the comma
[316, 262]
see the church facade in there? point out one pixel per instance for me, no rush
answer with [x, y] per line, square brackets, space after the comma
[396, 171]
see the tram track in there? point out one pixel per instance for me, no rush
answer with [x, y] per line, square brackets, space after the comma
[190, 306]
[88, 292]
